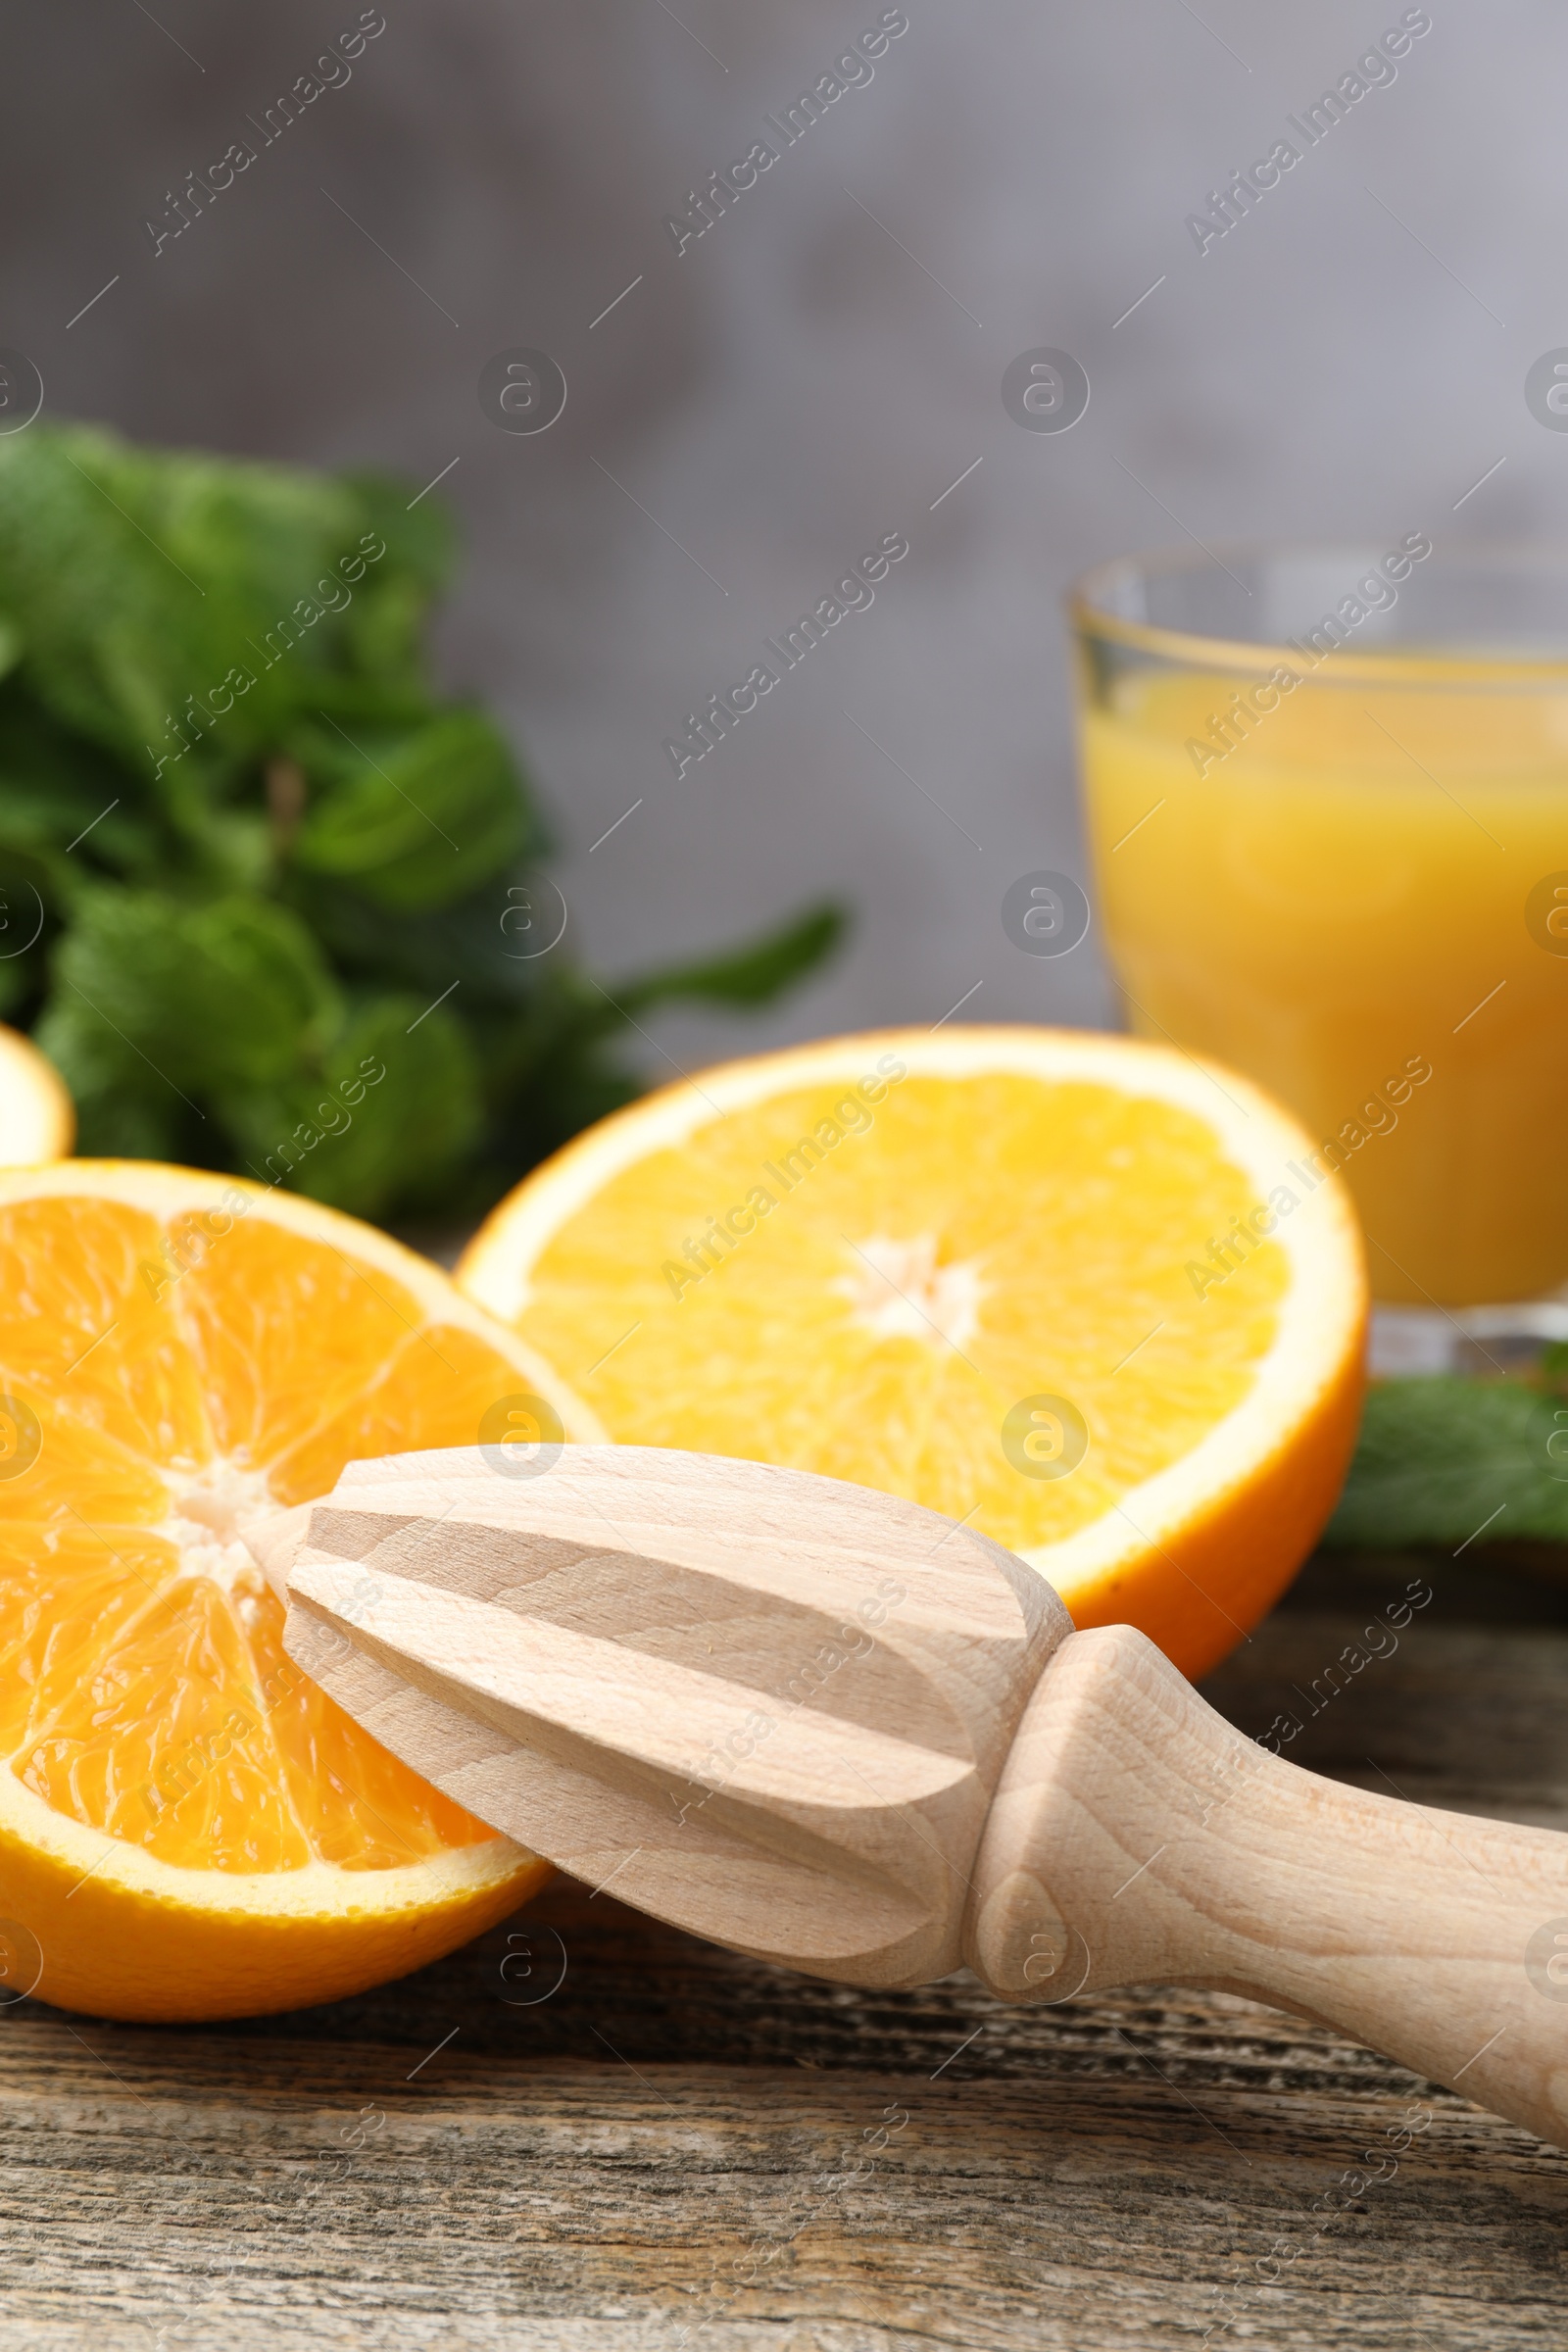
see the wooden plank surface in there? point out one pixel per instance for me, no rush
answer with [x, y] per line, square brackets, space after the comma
[667, 2146]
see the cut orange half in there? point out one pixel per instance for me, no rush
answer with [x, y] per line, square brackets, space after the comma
[1089, 1295]
[188, 1827]
[38, 1118]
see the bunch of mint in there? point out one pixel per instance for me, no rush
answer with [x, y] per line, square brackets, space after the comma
[269, 896]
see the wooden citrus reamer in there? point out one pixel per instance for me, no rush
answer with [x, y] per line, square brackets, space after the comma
[834, 1729]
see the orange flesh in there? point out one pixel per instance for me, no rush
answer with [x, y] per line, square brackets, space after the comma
[978, 1240]
[144, 1689]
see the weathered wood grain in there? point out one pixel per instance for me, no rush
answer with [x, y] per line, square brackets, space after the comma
[661, 2153]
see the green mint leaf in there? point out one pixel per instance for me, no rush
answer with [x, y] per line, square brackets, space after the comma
[387, 1122]
[138, 580]
[752, 975]
[1439, 1458]
[414, 821]
[199, 996]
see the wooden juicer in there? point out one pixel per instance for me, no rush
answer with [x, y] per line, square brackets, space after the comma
[831, 1729]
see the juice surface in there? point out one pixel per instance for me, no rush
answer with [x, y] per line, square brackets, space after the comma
[1361, 889]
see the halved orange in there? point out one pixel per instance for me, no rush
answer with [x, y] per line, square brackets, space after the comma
[188, 1827]
[1089, 1295]
[37, 1117]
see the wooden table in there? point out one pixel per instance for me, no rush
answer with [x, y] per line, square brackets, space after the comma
[672, 2147]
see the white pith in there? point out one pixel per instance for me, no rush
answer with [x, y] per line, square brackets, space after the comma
[897, 1290]
[206, 1509]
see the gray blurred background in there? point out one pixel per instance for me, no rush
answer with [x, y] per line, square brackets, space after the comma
[813, 373]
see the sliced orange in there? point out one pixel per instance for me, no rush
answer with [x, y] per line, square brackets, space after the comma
[985, 1268]
[38, 1118]
[188, 1827]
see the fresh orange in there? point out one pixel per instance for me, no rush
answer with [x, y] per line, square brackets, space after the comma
[38, 1118]
[188, 1827]
[984, 1268]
